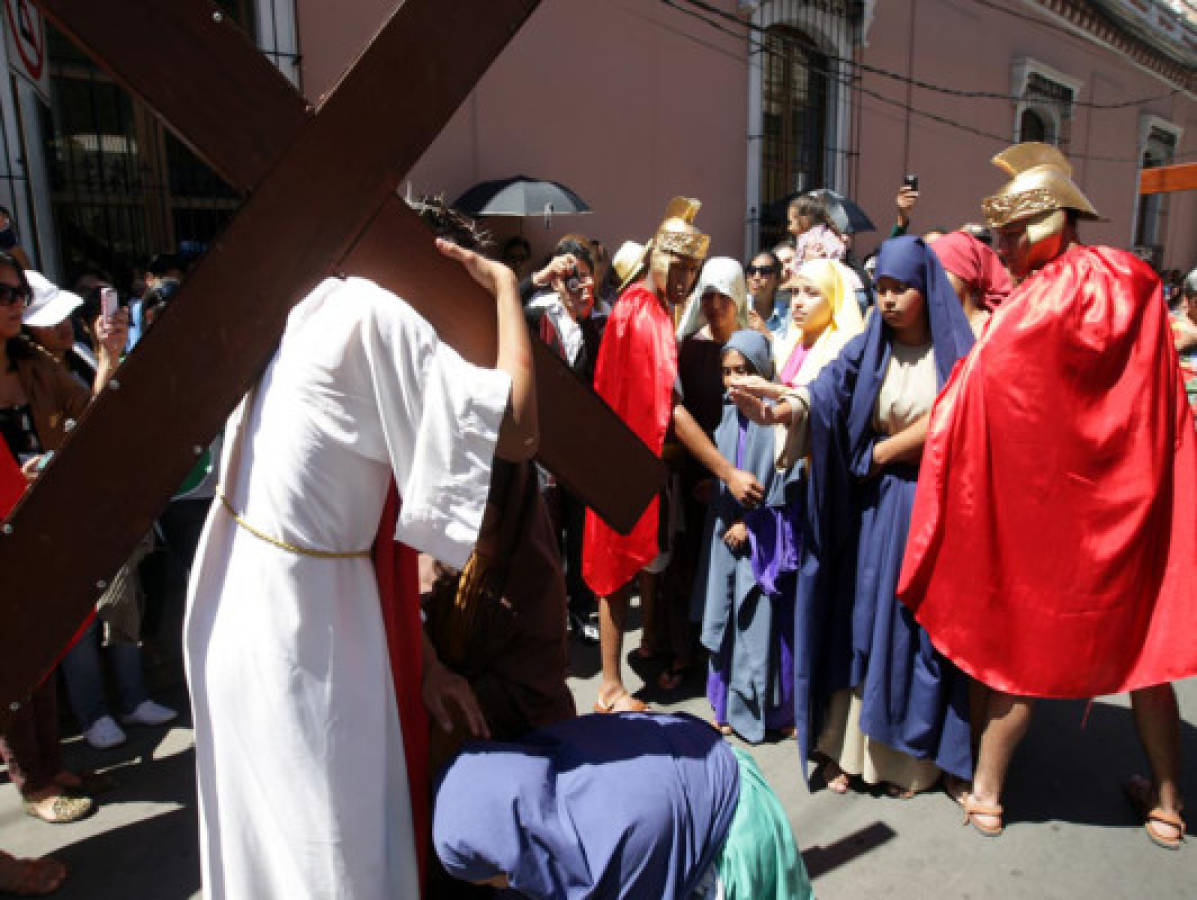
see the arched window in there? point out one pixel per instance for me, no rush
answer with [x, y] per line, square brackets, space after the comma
[794, 105]
[1031, 127]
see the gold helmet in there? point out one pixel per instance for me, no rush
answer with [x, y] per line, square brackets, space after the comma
[676, 236]
[1040, 189]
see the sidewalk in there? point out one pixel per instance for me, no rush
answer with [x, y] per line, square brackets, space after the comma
[1070, 832]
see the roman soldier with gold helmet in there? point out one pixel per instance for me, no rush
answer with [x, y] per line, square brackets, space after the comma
[1051, 543]
[1036, 212]
[636, 373]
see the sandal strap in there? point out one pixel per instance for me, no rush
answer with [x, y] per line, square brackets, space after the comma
[1158, 814]
[974, 808]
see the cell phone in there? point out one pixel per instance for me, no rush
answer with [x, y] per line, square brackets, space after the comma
[911, 181]
[109, 302]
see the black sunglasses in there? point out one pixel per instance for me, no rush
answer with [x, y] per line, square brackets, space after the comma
[10, 294]
[760, 270]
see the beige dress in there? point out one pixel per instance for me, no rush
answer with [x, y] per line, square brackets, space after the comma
[907, 393]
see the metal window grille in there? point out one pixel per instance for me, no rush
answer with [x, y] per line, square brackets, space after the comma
[122, 187]
[794, 108]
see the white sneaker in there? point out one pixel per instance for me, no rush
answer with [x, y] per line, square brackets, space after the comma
[104, 734]
[149, 713]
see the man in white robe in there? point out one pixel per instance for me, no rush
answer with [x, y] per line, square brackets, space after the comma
[303, 788]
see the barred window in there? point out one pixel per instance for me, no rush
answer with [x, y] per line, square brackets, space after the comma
[794, 105]
[1158, 148]
[1045, 107]
[122, 186]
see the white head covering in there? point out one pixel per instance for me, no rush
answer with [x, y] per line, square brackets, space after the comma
[722, 274]
[50, 304]
[627, 262]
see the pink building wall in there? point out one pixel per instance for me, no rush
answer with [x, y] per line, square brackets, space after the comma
[629, 102]
[972, 48]
[625, 101]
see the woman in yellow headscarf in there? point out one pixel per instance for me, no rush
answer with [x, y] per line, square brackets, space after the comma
[824, 317]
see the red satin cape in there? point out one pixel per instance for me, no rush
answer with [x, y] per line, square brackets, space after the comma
[397, 568]
[635, 374]
[1053, 542]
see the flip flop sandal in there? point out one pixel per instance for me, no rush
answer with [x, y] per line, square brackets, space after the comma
[625, 702]
[956, 788]
[1138, 792]
[838, 783]
[972, 809]
[1167, 841]
[722, 727]
[30, 877]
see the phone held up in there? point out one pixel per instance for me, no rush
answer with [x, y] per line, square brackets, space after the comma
[109, 302]
[911, 181]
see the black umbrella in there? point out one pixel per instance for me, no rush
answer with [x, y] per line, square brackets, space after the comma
[520, 196]
[845, 215]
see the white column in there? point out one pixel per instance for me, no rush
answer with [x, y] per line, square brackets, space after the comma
[752, 205]
[278, 36]
[38, 183]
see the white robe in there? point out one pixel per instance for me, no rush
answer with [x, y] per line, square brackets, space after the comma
[302, 783]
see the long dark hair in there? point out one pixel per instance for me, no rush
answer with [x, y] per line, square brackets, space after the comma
[17, 347]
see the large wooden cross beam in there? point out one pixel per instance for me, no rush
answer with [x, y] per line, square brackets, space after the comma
[321, 198]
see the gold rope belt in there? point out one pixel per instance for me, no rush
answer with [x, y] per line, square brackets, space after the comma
[283, 545]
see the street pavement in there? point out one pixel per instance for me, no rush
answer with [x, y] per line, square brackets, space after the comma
[1070, 833]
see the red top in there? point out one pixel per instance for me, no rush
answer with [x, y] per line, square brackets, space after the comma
[396, 566]
[1051, 549]
[12, 482]
[635, 373]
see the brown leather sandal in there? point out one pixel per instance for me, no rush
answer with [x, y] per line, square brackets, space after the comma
[972, 808]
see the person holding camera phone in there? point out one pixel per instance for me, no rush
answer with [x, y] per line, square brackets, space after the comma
[907, 199]
[39, 399]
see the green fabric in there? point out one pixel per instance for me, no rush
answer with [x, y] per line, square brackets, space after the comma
[197, 474]
[897, 231]
[760, 859]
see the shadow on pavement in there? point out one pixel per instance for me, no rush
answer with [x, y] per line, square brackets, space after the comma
[820, 860]
[1072, 769]
[156, 857]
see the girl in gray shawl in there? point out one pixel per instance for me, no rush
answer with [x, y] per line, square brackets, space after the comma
[740, 588]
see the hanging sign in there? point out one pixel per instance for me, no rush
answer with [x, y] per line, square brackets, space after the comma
[25, 33]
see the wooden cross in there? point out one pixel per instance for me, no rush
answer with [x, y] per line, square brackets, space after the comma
[321, 198]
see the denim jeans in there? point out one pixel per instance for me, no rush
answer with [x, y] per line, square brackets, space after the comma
[84, 675]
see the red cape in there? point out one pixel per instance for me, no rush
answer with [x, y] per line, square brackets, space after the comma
[12, 487]
[12, 482]
[1051, 549]
[635, 373]
[396, 566]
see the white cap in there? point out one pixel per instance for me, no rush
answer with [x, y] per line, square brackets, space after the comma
[50, 304]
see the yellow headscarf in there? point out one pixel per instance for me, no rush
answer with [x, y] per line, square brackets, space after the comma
[838, 284]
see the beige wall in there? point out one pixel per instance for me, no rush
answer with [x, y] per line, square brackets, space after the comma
[625, 101]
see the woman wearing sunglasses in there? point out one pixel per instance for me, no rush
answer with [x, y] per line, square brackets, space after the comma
[767, 313]
[39, 399]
